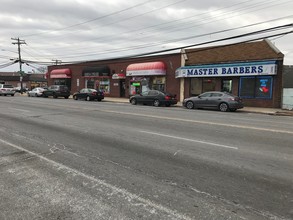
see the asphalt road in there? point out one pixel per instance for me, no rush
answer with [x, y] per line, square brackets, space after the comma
[66, 159]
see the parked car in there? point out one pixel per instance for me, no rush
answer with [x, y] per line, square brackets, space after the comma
[6, 89]
[18, 89]
[153, 97]
[89, 94]
[37, 92]
[57, 91]
[222, 101]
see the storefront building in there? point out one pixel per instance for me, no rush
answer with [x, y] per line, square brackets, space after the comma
[146, 76]
[252, 71]
[120, 77]
[97, 78]
[60, 77]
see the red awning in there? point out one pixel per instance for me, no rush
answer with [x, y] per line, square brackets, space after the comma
[60, 74]
[146, 69]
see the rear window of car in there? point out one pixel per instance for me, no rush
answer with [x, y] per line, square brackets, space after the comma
[7, 86]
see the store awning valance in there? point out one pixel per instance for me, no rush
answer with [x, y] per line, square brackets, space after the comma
[96, 71]
[146, 69]
[60, 74]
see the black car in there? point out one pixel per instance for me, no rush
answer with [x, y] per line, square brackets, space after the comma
[89, 94]
[222, 101]
[153, 97]
[57, 91]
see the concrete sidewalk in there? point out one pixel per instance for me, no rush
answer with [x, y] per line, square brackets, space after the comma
[268, 111]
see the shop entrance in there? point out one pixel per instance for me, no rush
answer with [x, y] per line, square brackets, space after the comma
[122, 88]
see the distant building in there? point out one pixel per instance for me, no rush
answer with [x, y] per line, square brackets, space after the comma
[29, 81]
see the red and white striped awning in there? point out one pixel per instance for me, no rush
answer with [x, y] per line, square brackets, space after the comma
[60, 74]
[146, 69]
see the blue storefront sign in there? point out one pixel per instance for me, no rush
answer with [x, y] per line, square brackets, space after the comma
[229, 69]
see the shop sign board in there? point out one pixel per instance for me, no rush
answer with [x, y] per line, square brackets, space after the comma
[231, 69]
[150, 72]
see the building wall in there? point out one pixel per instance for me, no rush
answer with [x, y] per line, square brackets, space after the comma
[172, 62]
[197, 81]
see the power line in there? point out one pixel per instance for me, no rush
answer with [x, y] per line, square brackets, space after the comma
[204, 43]
[178, 28]
[91, 20]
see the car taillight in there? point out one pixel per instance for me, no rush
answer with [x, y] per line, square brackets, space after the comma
[167, 97]
[232, 99]
[94, 93]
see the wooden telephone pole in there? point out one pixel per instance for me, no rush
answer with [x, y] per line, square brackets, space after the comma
[19, 42]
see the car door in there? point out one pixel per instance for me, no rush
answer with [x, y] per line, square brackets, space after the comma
[50, 90]
[215, 99]
[141, 98]
[152, 95]
[202, 101]
[82, 94]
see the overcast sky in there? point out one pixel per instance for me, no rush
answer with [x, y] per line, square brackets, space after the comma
[80, 30]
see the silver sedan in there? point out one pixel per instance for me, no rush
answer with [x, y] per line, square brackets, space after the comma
[37, 92]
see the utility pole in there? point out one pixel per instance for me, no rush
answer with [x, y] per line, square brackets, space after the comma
[56, 62]
[19, 42]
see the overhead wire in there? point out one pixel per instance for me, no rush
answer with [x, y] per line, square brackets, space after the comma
[142, 38]
[91, 20]
[207, 42]
[129, 48]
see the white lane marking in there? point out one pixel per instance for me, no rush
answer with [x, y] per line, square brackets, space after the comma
[127, 195]
[181, 119]
[191, 140]
[200, 122]
[18, 109]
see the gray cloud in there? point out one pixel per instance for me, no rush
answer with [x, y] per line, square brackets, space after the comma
[87, 30]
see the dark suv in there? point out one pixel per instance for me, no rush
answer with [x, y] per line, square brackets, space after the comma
[57, 91]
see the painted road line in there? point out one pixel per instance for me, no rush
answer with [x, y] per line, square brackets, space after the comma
[128, 196]
[200, 122]
[191, 140]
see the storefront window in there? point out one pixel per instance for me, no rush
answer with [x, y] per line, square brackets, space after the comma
[104, 85]
[196, 86]
[159, 83]
[256, 87]
[65, 82]
[227, 85]
[208, 85]
[90, 83]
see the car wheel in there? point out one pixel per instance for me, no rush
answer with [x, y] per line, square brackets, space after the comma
[75, 97]
[88, 98]
[99, 100]
[12, 94]
[189, 105]
[66, 97]
[156, 103]
[223, 107]
[133, 101]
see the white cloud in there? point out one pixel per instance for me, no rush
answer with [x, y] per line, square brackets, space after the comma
[87, 30]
